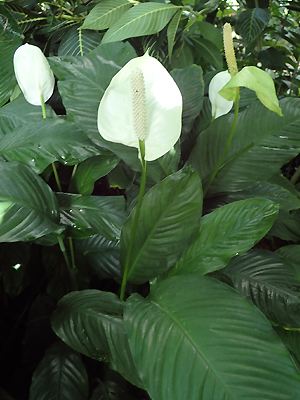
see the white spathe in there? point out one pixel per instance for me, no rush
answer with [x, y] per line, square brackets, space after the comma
[142, 102]
[33, 73]
[219, 105]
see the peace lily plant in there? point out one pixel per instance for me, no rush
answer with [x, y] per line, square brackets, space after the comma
[141, 108]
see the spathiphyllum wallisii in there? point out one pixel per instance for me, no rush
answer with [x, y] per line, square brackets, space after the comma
[142, 104]
[33, 74]
[219, 105]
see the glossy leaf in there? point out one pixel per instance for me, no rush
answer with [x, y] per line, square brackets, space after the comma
[196, 338]
[285, 196]
[160, 239]
[102, 255]
[290, 255]
[28, 206]
[227, 231]
[38, 142]
[191, 85]
[90, 321]
[105, 14]
[78, 42]
[171, 32]
[8, 44]
[90, 215]
[92, 169]
[142, 19]
[262, 144]
[60, 375]
[270, 283]
[251, 23]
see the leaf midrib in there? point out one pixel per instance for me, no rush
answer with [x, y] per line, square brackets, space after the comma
[177, 322]
[132, 21]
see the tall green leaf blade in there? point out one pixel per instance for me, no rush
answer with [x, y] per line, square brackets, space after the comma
[270, 283]
[286, 197]
[191, 85]
[171, 32]
[60, 375]
[102, 255]
[160, 238]
[8, 44]
[38, 142]
[78, 42]
[90, 321]
[196, 338]
[105, 14]
[90, 215]
[28, 206]
[227, 231]
[251, 23]
[291, 255]
[262, 144]
[92, 169]
[143, 19]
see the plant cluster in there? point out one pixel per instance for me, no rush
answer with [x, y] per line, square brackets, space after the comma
[149, 200]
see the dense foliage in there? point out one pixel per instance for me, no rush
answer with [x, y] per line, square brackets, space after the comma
[210, 307]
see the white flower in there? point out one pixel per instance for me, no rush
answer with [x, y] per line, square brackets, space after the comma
[219, 105]
[33, 73]
[144, 103]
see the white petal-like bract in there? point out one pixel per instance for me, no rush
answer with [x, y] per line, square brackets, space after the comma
[219, 105]
[142, 102]
[33, 73]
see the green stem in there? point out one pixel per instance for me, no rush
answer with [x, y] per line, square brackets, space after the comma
[63, 250]
[44, 114]
[136, 219]
[228, 143]
[71, 246]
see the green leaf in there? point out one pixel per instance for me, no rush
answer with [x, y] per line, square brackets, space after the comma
[287, 226]
[290, 254]
[82, 82]
[160, 237]
[251, 23]
[105, 14]
[90, 215]
[78, 42]
[205, 51]
[262, 144]
[270, 283]
[171, 32]
[142, 19]
[257, 80]
[102, 255]
[90, 322]
[287, 199]
[60, 375]
[227, 231]
[196, 338]
[28, 208]
[92, 169]
[37, 142]
[191, 85]
[10, 40]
